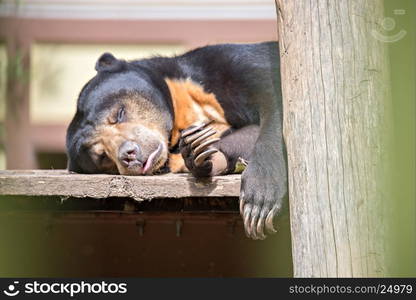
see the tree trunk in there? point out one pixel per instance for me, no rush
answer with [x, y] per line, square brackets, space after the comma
[334, 80]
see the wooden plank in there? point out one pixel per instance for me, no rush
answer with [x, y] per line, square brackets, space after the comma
[65, 184]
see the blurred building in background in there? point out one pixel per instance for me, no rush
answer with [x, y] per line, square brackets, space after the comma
[48, 51]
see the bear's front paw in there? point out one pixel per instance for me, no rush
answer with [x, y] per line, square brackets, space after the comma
[260, 201]
[198, 150]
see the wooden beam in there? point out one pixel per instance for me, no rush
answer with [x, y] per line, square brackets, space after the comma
[335, 97]
[65, 184]
[188, 32]
[48, 138]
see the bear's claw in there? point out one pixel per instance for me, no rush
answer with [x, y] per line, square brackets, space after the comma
[196, 144]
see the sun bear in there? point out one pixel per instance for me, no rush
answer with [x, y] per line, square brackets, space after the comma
[208, 112]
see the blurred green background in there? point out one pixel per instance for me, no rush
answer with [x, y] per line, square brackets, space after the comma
[403, 89]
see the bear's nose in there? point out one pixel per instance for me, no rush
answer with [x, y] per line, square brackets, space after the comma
[129, 153]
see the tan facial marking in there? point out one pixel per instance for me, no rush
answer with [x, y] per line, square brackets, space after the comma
[143, 125]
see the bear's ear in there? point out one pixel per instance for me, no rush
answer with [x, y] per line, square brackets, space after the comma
[108, 63]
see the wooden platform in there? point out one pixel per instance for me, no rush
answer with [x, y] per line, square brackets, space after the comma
[63, 183]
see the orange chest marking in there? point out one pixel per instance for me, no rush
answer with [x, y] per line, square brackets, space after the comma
[191, 104]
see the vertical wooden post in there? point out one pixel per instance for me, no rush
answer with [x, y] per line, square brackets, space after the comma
[19, 149]
[334, 77]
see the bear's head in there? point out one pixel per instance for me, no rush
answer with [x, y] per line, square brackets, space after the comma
[123, 121]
